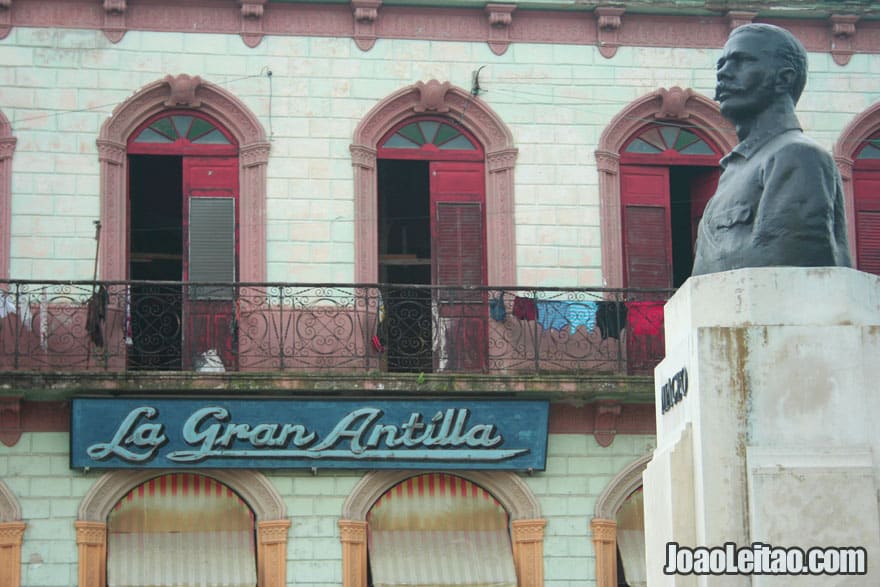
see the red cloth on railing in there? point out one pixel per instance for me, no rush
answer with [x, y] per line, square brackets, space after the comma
[524, 308]
[645, 318]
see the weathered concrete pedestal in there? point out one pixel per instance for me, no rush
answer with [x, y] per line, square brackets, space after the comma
[777, 439]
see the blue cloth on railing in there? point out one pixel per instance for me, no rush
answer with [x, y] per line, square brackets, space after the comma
[557, 315]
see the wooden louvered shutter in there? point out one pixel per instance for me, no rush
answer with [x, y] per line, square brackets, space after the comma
[866, 184]
[458, 256]
[457, 230]
[647, 246]
[703, 186]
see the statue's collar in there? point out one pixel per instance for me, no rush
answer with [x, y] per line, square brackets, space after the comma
[764, 131]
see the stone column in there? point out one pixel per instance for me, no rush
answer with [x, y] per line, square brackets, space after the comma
[91, 539]
[528, 551]
[11, 535]
[271, 553]
[354, 553]
[605, 547]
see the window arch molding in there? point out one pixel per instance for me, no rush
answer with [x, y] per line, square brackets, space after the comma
[253, 487]
[856, 132]
[174, 93]
[684, 107]
[7, 147]
[443, 99]
[603, 526]
[526, 525]
[11, 536]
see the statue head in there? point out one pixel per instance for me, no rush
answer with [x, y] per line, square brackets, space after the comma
[760, 65]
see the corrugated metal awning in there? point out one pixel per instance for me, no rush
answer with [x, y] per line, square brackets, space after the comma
[439, 530]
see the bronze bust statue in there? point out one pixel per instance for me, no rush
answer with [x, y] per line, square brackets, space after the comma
[779, 200]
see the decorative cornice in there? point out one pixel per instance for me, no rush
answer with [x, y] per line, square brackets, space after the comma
[843, 34]
[7, 147]
[673, 103]
[254, 154]
[434, 23]
[500, 19]
[365, 14]
[362, 156]
[501, 160]
[112, 152]
[609, 19]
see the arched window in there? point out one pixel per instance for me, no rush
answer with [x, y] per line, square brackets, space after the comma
[439, 529]
[668, 172]
[432, 231]
[658, 164]
[181, 529]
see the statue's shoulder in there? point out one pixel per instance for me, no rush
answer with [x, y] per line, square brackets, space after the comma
[800, 147]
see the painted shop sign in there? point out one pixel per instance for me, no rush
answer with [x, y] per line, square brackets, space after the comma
[225, 433]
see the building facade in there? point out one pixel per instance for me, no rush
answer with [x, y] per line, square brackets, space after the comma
[367, 205]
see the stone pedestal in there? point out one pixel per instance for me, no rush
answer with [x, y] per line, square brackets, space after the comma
[768, 420]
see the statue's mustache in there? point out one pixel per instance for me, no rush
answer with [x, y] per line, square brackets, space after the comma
[725, 89]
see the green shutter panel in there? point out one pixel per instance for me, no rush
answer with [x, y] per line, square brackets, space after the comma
[211, 252]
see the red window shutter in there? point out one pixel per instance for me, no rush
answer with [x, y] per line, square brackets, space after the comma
[866, 184]
[646, 226]
[457, 226]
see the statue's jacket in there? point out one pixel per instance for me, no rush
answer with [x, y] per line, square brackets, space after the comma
[779, 202]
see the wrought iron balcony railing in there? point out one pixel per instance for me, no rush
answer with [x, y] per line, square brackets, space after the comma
[249, 327]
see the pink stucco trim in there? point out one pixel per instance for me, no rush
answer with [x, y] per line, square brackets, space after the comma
[858, 130]
[233, 115]
[7, 147]
[693, 109]
[366, 21]
[486, 126]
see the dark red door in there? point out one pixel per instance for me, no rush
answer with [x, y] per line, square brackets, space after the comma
[458, 258]
[210, 187]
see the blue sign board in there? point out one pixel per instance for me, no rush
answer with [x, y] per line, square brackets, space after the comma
[290, 434]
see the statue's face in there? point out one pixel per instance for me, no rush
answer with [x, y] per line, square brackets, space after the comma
[746, 76]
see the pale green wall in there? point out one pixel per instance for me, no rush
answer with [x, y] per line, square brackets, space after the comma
[578, 470]
[58, 86]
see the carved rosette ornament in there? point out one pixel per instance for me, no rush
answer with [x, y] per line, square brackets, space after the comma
[500, 19]
[365, 14]
[608, 22]
[251, 21]
[843, 34]
[114, 20]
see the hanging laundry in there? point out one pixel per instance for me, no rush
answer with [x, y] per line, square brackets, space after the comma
[18, 304]
[496, 308]
[558, 315]
[96, 313]
[610, 318]
[645, 318]
[524, 308]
